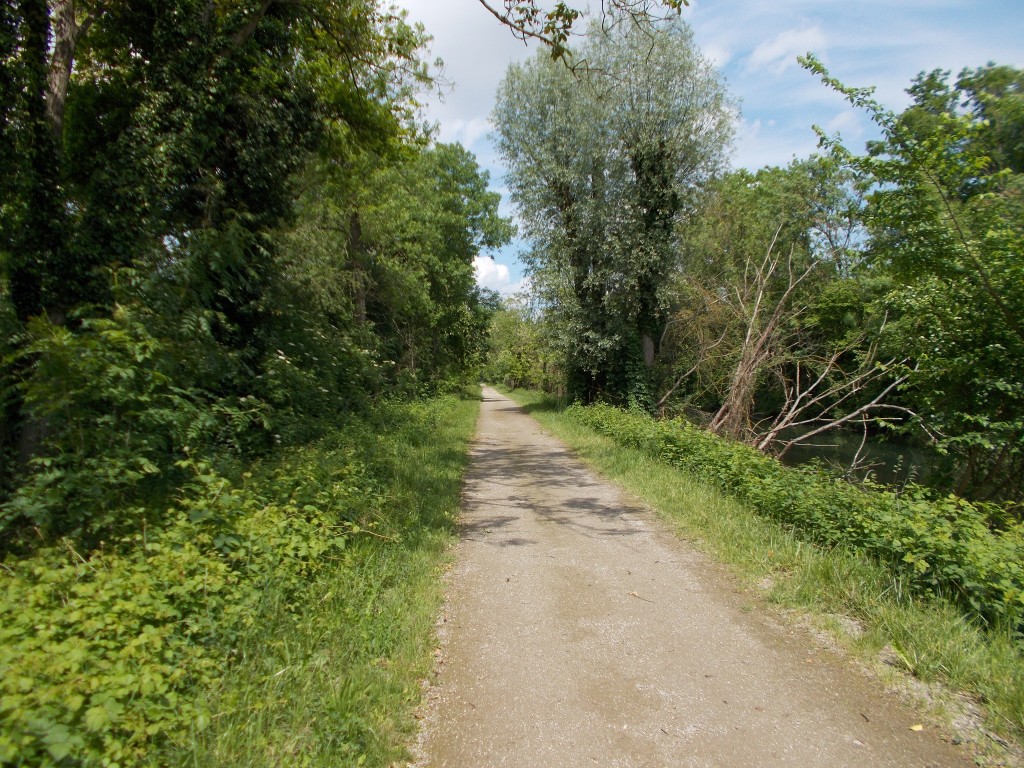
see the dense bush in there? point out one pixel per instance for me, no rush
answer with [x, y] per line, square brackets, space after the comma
[105, 655]
[967, 552]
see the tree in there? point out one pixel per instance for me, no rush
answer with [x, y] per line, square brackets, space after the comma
[773, 323]
[947, 221]
[382, 255]
[519, 354]
[602, 169]
[161, 139]
[155, 148]
[424, 222]
[166, 122]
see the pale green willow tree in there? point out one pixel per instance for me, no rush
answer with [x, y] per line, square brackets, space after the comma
[604, 164]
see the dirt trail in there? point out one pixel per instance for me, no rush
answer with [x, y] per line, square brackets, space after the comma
[580, 632]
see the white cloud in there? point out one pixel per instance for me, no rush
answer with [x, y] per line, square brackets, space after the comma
[761, 143]
[779, 53]
[717, 52]
[476, 50]
[466, 132]
[749, 129]
[491, 274]
[849, 122]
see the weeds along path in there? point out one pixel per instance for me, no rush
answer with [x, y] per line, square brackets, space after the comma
[579, 631]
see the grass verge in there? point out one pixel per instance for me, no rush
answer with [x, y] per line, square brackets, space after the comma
[333, 680]
[855, 598]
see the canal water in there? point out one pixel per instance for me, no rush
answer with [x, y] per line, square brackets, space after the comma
[884, 461]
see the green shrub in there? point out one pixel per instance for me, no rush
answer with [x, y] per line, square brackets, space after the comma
[333, 681]
[112, 425]
[113, 657]
[946, 546]
[109, 654]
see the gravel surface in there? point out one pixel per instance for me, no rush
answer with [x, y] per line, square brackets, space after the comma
[578, 631]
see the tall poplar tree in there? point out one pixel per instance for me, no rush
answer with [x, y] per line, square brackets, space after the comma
[604, 161]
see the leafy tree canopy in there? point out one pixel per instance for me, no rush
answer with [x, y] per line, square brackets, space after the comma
[602, 168]
[947, 218]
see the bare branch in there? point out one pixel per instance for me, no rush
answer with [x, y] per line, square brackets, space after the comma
[875, 404]
[702, 353]
[554, 28]
[521, 31]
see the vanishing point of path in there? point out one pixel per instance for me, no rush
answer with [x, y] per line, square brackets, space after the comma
[579, 632]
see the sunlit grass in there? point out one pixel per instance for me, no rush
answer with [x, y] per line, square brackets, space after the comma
[861, 602]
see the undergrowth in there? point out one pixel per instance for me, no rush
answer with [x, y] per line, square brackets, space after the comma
[278, 617]
[945, 546]
[871, 606]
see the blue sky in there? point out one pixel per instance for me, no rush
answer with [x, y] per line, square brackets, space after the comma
[754, 43]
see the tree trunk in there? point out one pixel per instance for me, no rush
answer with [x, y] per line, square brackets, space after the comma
[733, 418]
[648, 345]
[37, 273]
[65, 36]
[358, 251]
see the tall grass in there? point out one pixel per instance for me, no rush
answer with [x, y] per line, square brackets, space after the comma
[865, 604]
[333, 681]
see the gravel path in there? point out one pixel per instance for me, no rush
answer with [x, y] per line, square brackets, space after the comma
[579, 631]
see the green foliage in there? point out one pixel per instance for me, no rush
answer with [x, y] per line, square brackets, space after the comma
[201, 307]
[103, 655]
[333, 681]
[115, 409]
[946, 219]
[109, 656]
[968, 553]
[139, 242]
[519, 352]
[603, 165]
[424, 222]
[105, 410]
[387, 263]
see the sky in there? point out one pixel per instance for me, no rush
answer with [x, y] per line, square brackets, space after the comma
[754, 44]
